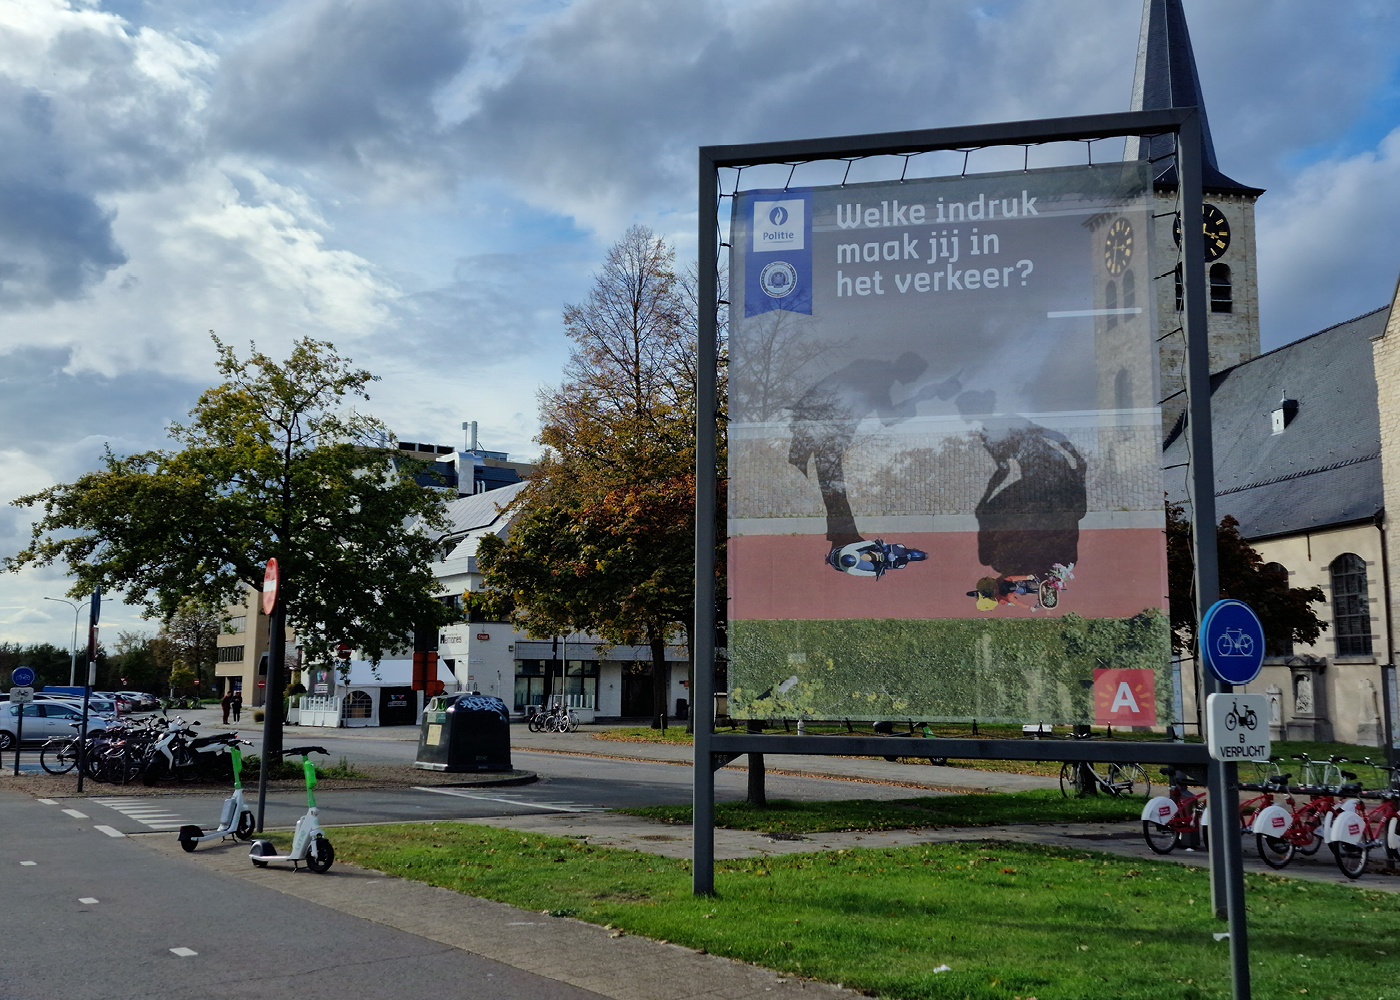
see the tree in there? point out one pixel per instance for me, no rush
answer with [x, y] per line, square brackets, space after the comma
[1284, 611]
[603, 536]
[192, 633]
[273, 463]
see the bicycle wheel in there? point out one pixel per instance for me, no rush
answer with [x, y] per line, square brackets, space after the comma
[533, 723]
[573, 723]
[1351, 859]
[1275, 852]
[1069, 778]
[1306, 840]
[1128, 779]
[59, 758]
[1161, 839]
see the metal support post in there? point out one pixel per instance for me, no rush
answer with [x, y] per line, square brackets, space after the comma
[706, 482]
[1227, 862]
[272, 702]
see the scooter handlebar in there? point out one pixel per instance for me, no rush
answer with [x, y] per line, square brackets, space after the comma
[303, 751]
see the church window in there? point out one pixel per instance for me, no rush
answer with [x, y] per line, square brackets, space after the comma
[1129, 291]
[1281, 644]
[1351, 611]
[1110, 303]
[1221, 294]
[1123, 390]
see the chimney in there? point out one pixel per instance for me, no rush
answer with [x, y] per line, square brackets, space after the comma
[470, 427]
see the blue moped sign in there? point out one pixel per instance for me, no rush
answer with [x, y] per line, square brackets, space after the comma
[1232, 641]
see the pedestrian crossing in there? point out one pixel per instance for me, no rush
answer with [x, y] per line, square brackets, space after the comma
[148, 812]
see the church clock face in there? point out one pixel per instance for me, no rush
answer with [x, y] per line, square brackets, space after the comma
[1118, 246]
[1217, 231]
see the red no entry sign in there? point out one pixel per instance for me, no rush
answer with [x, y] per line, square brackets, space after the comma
[270, 587]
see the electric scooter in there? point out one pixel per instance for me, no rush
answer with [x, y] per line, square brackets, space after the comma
[310, 847]
[236, 820]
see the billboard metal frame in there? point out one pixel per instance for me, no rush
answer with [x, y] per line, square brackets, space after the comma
[713, 750]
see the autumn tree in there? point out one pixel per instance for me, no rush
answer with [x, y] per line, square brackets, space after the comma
[274, 462]
[603, 536]
[1285, 612]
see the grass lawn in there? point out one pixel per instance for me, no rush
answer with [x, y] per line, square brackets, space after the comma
[785, 816]
[1011, 922]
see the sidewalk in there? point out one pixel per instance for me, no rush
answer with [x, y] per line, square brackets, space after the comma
[611, 964]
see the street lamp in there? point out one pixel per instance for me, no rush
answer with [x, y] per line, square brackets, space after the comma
[73, 650]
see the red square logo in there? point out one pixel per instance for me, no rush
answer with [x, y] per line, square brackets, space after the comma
[1125, 698]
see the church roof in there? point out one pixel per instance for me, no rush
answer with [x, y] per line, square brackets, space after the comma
[1166, 78]
[1324, 468]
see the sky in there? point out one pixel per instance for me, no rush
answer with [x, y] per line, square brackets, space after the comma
[427, 184]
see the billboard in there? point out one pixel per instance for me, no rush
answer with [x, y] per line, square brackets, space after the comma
[945, 497]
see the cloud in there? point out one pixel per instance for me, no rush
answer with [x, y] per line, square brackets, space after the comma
[347, 85]
[1328, 245]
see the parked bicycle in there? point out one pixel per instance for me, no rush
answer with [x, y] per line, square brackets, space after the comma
[558, 718]
[1080, 779]
[1174, 820]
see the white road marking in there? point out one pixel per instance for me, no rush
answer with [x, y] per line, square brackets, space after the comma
[558, 806]
[28, 864]
[109, 831]
[48, 802]
[86, 900]
[154, 817]
[75, 814]
[184, 952]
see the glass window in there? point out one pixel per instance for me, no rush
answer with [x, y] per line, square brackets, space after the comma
[1351, 609]
[1221, 294]
[1277, 645]
[230, 654]
[238, 623]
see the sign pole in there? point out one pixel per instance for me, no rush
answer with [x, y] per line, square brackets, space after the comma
[276, 647]
[1227, 863]
[706, 482]
[94, 610]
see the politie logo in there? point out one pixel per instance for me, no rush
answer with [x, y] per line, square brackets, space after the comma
[779, 225]
[778, 279]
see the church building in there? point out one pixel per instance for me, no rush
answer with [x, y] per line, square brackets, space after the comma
[1306, 437]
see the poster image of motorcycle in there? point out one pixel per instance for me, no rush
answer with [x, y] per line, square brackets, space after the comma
[944, 447]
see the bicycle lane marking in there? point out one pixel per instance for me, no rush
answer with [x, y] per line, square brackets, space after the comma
[554, 806]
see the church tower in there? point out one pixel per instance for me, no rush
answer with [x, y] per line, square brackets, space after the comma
[1165, 78]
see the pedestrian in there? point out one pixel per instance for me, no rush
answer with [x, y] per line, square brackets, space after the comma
[237, 705]
[226, 703]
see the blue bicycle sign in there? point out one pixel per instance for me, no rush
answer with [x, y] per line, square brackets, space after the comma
[1232, 641]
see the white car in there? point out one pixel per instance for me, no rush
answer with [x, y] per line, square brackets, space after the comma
[42, 720]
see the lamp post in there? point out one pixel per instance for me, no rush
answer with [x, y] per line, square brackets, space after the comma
[73, 649]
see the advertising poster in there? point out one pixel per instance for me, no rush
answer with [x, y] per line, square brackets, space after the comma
[945, 492]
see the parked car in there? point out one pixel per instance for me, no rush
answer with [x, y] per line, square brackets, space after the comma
[42, 720]
[144, 702]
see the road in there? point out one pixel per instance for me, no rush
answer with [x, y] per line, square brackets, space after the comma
[568, 784]
[104, 920]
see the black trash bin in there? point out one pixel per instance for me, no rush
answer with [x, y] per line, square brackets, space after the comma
[465, 732]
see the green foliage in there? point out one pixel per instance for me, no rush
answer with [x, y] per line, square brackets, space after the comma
[274, 462]
[1009, 920]
[1284, 611]
[943, 669]
[50, 663]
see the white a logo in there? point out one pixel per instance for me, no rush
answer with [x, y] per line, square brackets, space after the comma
[779, 225]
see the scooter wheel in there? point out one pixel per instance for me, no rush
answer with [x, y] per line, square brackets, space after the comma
[261, 849]
[246, 826]
[319, 855]
[189, 838]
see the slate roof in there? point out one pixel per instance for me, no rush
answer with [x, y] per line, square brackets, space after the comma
[1166, 78]
[1325, 468]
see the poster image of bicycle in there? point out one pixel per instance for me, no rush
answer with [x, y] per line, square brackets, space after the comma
[944, 427]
